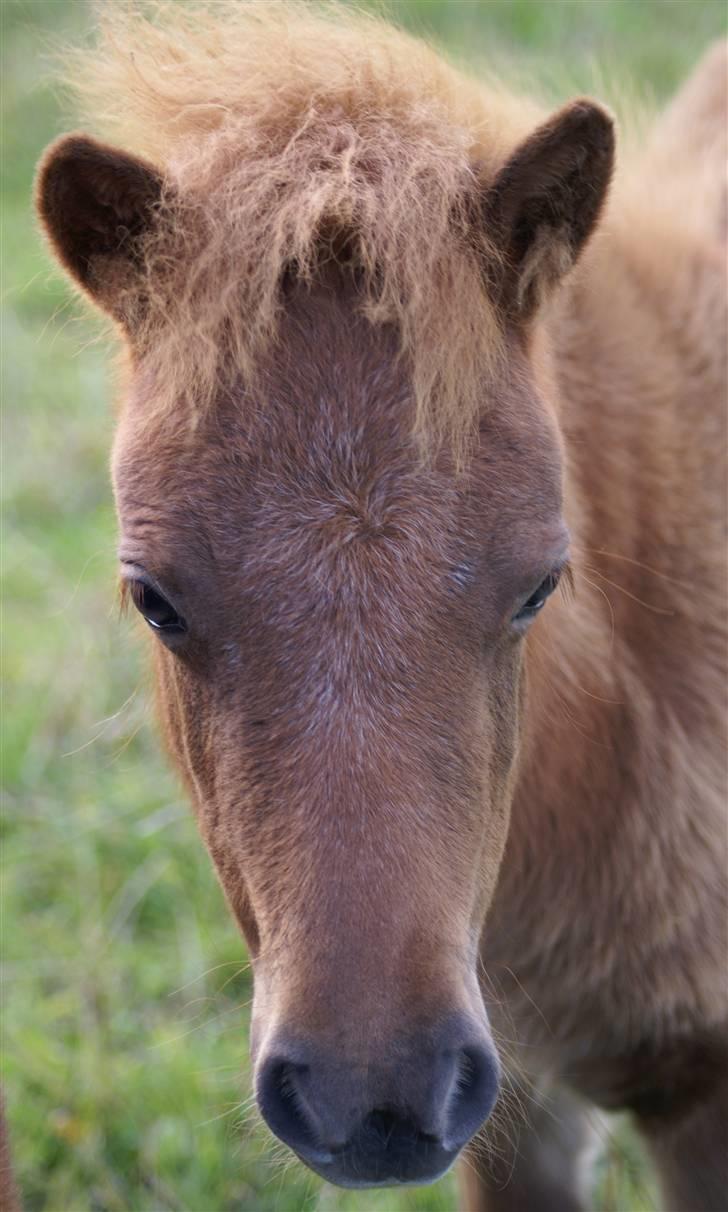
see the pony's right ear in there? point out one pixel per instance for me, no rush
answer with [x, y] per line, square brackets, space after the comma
[95, 204]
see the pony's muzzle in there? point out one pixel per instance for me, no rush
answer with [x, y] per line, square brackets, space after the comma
[375, 1124]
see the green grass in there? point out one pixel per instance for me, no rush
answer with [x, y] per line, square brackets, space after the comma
[124, 980]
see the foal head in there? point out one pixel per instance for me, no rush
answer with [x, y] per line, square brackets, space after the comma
[338, 613]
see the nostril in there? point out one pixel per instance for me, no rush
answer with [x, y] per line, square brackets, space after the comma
[473, 1094]
[383, 1127]
[283, 1106]
[381, 1124]
[467, 1073]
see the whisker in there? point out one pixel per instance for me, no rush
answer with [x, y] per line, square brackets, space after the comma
[201, 977]
[563, 701]
[598, 589]
[632, 596]
[205, 1022]
[103, 725]
[613, 555]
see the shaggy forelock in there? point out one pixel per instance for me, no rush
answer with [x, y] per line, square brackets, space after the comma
[280, 128]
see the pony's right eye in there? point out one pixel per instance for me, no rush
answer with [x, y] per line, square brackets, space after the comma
[158, 612]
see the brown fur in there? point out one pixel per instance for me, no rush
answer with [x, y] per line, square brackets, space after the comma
[271, 124]
[349, 245]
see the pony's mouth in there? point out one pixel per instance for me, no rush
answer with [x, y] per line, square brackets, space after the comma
[383, 1153]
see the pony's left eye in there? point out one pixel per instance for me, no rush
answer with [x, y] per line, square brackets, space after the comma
[538, 598]
[158, 612]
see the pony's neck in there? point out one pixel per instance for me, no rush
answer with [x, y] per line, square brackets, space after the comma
[638, 361]
[628, 360]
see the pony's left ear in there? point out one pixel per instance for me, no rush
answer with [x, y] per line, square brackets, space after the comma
[545, 201]
[95, 204]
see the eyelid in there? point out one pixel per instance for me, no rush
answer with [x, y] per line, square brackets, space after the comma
[131, 571]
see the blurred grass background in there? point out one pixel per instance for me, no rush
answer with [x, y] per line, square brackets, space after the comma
[123, 978]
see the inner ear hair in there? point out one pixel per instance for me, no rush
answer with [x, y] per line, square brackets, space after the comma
[545, 201]
[95, 203]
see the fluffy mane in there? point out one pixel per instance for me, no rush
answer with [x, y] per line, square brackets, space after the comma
[274, 124]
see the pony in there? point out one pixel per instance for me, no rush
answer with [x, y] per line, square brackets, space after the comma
[418, 477]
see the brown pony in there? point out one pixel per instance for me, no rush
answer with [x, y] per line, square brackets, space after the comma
[374, 413]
